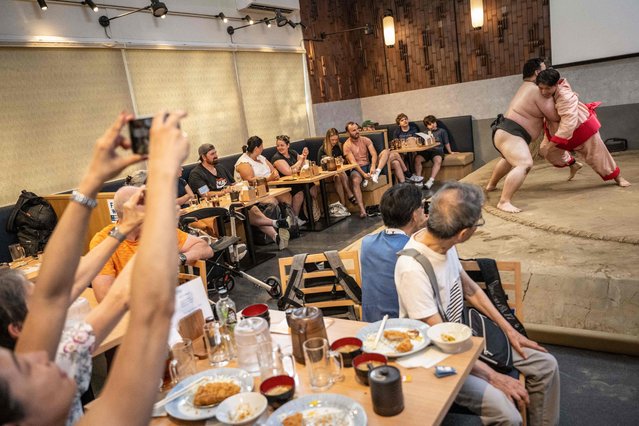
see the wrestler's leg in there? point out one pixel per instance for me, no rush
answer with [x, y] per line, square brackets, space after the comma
[559, 157]
[597, 156]
[501, 169]
[516, 152]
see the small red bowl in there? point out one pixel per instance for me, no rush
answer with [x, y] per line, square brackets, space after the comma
[272, 383]
[257, 310]
[349, 355]
[361, 375]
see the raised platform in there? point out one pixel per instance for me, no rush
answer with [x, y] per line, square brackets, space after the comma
[578, 244]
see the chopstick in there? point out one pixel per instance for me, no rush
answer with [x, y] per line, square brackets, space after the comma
[179, 393]
[380, 331]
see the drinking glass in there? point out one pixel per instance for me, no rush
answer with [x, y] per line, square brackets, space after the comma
[193, 202]
[17, 252]
[183, 363]
[217, 344]
[323, 365]
[274, 362]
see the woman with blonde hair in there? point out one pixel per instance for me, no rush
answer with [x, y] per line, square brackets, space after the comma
[332, 147]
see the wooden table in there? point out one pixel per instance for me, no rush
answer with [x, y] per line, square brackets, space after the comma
[426, 398]
[307, 182]
[29, 266]
[225, 202]
[416, 148]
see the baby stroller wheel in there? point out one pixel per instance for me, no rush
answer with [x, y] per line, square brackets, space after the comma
[276, 288]
[225, 281]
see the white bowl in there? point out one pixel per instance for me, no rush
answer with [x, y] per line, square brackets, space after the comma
[462, 334]
[253, 402]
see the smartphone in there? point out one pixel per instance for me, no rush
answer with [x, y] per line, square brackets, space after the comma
[140, 129]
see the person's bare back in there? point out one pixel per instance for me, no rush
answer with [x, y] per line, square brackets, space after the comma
[528, 109]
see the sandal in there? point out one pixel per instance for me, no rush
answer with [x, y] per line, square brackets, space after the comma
[352, 199]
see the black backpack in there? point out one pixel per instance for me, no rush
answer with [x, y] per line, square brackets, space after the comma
[33, 219]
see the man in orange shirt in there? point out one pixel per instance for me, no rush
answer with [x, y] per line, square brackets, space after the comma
[191, 247]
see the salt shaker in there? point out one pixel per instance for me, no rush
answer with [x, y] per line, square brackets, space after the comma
[386, 390]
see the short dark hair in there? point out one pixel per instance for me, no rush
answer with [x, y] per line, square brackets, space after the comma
[10, 409]
[252, 143]
[283, 138]
[531, 66]
[399, 117]
[429, 119]
[456, 206]
[398, 204]
[350, 123]
[549, 77]
[13, 304]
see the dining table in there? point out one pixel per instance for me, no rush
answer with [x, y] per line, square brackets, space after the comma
[426, 397]
[415, 147]
[307, 182]
[199, 211]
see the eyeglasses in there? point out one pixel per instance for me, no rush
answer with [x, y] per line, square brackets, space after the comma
[480, 222]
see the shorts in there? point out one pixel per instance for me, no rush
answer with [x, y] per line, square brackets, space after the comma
[509, 126]
[366, 169]
[430, 154]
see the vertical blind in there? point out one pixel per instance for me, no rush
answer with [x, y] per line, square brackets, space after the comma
[55, 103]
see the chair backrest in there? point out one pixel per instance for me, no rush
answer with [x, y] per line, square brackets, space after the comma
[510, 274]
[350, 259]
[191, 272]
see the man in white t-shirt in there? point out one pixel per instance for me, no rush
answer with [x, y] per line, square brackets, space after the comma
[453, 217]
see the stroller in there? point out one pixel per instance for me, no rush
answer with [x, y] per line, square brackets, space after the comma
[224, 266]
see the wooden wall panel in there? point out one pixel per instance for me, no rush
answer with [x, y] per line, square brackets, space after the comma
[435, 44]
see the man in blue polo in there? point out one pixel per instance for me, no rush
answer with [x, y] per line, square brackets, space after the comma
[403, 214]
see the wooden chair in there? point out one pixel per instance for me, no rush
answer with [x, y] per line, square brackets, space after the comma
[351, 263]
[190, 272]
[510, 275]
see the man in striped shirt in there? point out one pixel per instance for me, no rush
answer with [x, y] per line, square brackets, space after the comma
[454, 216]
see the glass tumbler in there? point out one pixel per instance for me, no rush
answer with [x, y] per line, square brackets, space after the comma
[323, 365]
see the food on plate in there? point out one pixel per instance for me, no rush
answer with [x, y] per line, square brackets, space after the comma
[242, 412]
[214, 393]
[347, 348]
[294, 420]
[413, 334]
[447, 337]
[364, 366]
[395, 335]
[404, 346]
[278, 390]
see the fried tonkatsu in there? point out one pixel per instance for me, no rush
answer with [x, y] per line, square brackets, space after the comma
[395, 335]
[214, 393]
[404, 346]
[412, 333]
[294, 420]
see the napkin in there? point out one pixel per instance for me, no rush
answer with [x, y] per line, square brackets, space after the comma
[425, 359]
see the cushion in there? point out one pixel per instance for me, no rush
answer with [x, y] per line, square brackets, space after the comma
[458, 159]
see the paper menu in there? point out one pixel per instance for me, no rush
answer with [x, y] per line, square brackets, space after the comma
[189, 297]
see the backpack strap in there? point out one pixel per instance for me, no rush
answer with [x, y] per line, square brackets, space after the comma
[428, 268]
[295, 281]
[350, 286]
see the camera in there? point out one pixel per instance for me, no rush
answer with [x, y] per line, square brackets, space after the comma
[140, 130]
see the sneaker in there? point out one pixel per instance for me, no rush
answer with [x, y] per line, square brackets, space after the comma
[364, 183]
[282, 238]
[282, 223]
[429, 183]
[375, 175]
[299, 221]
[416, 178]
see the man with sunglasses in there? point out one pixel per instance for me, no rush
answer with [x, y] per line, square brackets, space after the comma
[453, 217]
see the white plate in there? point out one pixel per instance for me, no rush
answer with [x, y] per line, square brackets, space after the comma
[368, 333]
[334, 409]
[183, 408]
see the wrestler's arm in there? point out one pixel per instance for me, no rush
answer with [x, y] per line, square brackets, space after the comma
[567, 105]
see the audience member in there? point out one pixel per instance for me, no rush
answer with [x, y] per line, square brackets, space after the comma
[211, 176]
[357, 150]
[190, 247]
[434, 154]
[407, 130]
[454, 216]
[184, 191]
[369, 125]
[288, 162]
[331, 147]
[403, 214]
[33, 390]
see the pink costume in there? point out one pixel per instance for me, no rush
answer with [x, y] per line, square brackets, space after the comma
[577, 130]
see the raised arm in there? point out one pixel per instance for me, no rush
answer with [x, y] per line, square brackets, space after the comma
[48, 305]
[132, 386]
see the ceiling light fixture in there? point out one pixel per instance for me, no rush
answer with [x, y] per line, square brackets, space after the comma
[158, 9]
[222, 17]
[267, 22]
[388, 22]
[42, 4]
[279, 19]
[91, 4]
[249, 20]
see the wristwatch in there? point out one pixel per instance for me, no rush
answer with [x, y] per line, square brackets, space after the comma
[115, 233]
[182, 258]
[83, 200]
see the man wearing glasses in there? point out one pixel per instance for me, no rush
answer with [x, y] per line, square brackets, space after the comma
[453, 217]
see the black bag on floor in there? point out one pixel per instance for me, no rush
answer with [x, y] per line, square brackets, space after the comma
[33, 219]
